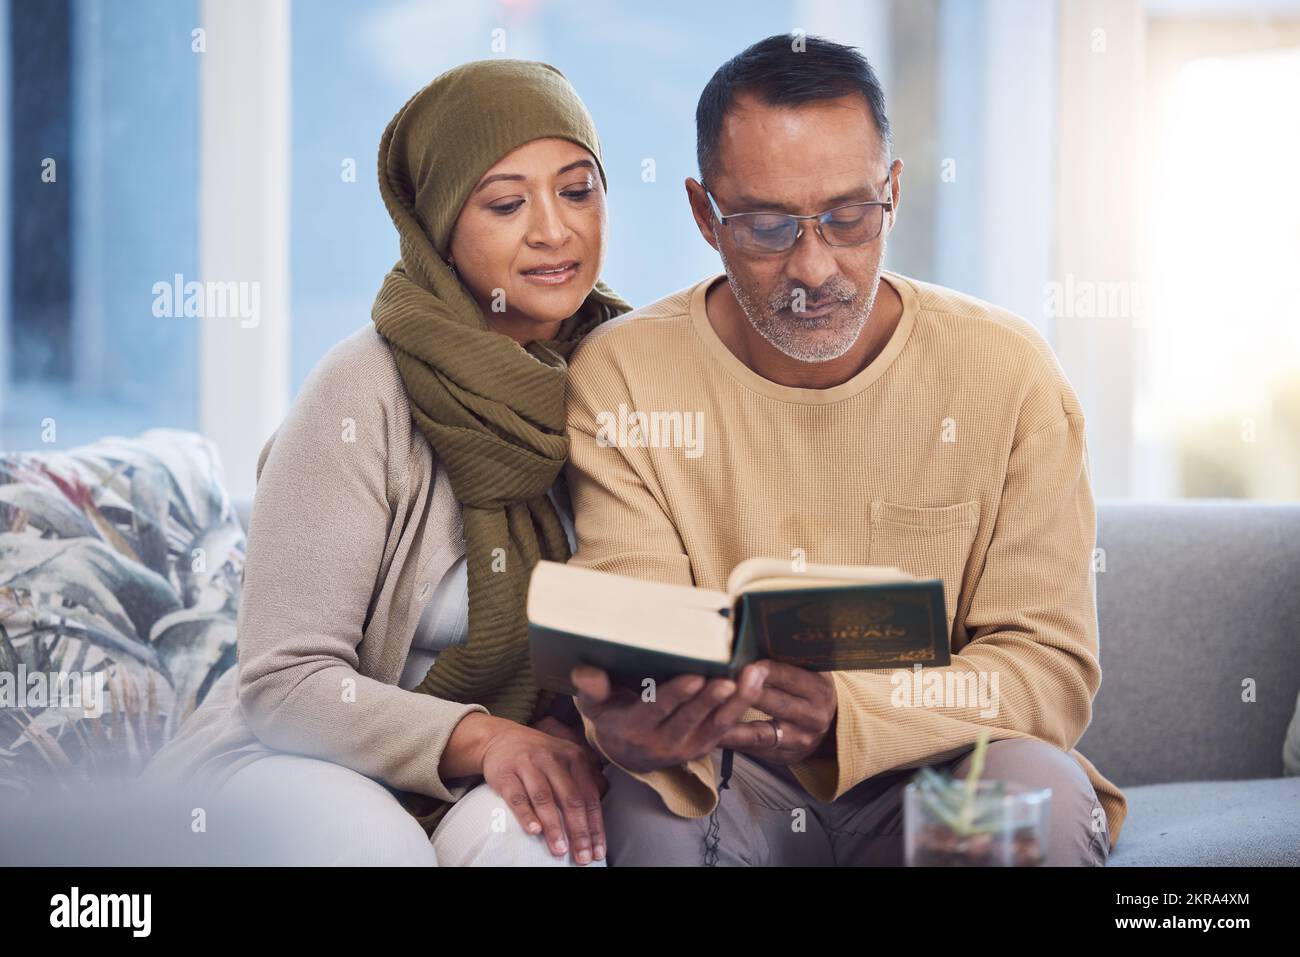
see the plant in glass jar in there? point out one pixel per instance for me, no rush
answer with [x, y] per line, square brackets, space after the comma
[949, 822]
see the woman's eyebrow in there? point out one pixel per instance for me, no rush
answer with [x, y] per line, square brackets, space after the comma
[495, 177]
[582, 162]
[489, 180]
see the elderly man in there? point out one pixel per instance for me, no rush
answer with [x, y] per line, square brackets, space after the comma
[851, 415]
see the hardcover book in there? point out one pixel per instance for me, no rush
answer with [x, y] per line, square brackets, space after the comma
[821, 618]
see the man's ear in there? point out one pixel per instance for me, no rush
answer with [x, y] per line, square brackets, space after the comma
[700, 210]
[895, 188]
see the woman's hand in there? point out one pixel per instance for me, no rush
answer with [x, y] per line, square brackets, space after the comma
[552, 783]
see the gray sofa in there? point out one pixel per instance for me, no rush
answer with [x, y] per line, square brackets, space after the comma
[1195, 598]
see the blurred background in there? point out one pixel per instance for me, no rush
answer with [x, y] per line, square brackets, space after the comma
[1119, 172]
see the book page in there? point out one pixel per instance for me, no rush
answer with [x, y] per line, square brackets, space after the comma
[769, 574]
[676, 619]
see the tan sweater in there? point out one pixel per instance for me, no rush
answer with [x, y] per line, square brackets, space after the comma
[957, 453]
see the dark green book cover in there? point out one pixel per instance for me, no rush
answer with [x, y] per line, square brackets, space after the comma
[833, 628]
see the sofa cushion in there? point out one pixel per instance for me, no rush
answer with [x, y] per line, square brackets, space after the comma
[120, 571]
[1220, 823]
[1200, 656]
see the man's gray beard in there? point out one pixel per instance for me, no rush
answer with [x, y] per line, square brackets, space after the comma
[794, 341]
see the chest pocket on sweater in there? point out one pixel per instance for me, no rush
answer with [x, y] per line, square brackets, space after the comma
[930, 542]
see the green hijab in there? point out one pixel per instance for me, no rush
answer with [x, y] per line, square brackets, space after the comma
[492, 411]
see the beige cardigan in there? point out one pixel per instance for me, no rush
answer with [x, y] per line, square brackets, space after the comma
[353, 525]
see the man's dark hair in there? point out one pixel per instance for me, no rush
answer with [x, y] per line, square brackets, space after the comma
[786, 70]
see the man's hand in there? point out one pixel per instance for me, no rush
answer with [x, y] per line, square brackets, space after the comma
[804, 704]
[687, 718]
[558, 729]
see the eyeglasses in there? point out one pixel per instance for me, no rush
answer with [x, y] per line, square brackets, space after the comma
[853, 225]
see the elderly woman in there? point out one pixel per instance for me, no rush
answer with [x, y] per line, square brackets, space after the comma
[383, 674]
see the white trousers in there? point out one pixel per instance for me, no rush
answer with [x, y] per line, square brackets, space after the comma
[306, 811]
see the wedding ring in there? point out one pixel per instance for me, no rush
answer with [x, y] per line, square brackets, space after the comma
[776, 726]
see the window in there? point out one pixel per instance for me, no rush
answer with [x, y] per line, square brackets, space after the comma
[1062, 160]
[99, 201]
